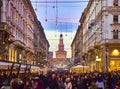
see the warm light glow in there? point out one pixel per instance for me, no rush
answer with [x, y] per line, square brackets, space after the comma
[0, 57]
[115, 52]
[112, 63]
[98, 59]
[10, 53]
[15, 55]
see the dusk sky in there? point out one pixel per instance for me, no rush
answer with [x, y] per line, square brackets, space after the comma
[62, 17]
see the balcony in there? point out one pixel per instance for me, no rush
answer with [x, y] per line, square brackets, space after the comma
[113, 8]
[91, 47]
[112, 41]
[19, 44]
[115, 25]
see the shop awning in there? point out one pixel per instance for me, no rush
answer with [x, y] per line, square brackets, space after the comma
[5, 64]
[80, 66]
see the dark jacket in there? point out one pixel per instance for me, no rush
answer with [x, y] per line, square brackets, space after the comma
[40, 85]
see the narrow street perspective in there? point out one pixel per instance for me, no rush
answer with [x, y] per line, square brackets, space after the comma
[59, 44]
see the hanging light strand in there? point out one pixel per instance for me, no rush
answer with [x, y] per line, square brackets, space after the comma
[62, 1]
[46, 12]
[66, 30]
[36, 6]
[56, 12]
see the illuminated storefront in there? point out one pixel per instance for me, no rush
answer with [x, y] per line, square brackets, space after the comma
[12, 55]
[115, 59]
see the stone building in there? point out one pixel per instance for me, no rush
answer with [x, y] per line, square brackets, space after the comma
[41, 44]
[22, 38]
[101, 44]
[76, 46]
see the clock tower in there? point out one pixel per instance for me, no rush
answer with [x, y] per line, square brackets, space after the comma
[61, 53]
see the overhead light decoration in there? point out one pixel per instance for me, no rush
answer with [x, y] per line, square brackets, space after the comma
[46, 12]
[45, 20]
[36, 9]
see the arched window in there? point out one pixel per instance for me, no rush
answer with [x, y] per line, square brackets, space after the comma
[115, 34]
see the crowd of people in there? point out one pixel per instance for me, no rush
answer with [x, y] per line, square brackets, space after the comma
[65, 80]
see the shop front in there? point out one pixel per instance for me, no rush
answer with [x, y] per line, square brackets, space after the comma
[114, 59]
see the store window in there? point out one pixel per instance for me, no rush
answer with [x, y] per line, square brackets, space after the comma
[115, 52]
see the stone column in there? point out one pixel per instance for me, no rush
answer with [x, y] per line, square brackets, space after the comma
[105, 58]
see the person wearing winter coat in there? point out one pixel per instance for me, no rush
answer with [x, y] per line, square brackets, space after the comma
[68, 84]
[40, 85]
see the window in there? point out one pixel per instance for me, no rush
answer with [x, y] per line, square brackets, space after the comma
[115, 2]
[115, 18]
[115, 34]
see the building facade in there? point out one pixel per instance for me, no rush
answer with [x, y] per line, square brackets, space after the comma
[101, 38]
[76, 47]
[50, 55]
[41, 44]
[21, 33]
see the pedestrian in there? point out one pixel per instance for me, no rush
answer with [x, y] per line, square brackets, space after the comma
[27, 84]
[60, 83]
[14, 84]
[99, 82]
[53, 84]
[40, 85]
[68, 84]
[93, 86]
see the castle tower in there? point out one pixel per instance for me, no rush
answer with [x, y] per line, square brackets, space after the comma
[61, 53]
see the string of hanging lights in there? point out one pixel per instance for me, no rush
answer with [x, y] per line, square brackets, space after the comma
[58, 19]
[36, 7]
[61, 1]
[46, 12]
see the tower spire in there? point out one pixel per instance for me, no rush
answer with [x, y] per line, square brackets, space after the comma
[61, 53]
[61, 44]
